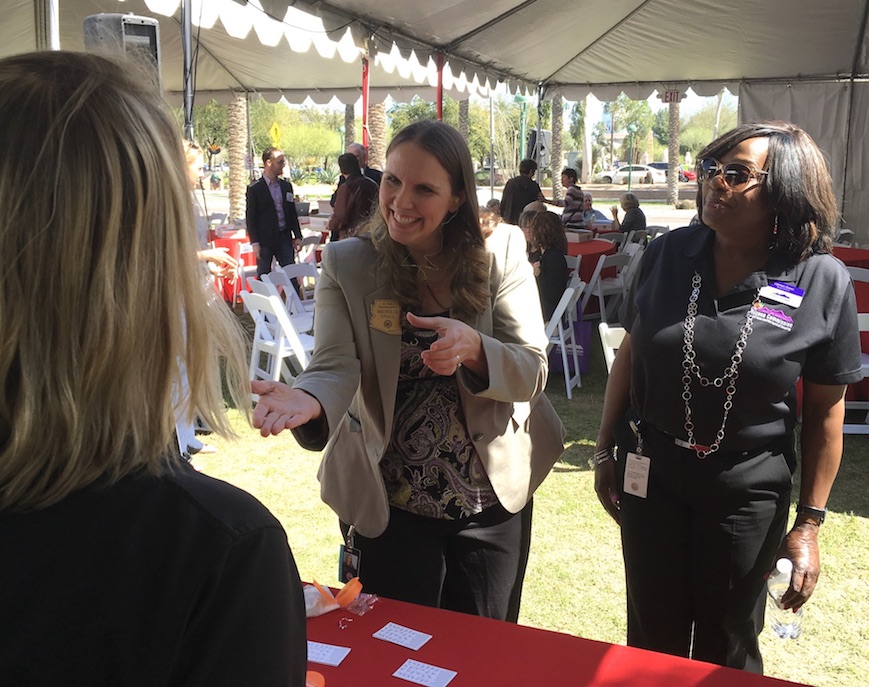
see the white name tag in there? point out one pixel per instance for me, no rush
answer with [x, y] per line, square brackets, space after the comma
[290, 197]
[783, 293]
[637, 475]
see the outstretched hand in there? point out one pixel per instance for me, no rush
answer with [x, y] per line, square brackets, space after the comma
[281, 407]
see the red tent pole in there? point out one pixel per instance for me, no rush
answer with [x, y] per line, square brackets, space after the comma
[365, 75]
[440, 86]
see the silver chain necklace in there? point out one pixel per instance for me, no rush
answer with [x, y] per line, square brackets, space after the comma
[690, 368]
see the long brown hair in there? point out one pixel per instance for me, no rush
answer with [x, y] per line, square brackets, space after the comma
[101, 298]
[463, 238]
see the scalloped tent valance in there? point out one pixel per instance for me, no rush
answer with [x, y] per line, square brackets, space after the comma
[243, 48]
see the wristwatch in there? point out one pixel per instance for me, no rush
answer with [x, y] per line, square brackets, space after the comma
[819, 513]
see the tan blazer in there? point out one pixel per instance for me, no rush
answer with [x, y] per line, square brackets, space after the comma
[354, 375]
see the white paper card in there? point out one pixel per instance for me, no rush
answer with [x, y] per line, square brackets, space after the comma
[403, 636]
[327, 654]
[637, 475]
[424, 674]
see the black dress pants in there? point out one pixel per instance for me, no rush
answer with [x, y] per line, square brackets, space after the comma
[474, 565]
[697, 548]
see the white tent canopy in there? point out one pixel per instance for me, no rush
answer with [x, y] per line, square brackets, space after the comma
[781, 50]
[241, 48]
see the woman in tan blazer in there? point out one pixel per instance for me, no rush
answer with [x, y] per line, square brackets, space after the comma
[426, 388]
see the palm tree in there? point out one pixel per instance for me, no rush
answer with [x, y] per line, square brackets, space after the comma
[465, 118]
[557, 145]
[238, 148]
[673, 154]
[349, 124]
[377, 131]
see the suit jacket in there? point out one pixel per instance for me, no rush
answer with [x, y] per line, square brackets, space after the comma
[261, 216]
[354, 375]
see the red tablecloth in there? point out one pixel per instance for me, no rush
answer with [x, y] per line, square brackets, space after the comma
[856, 257]
[493, 653]
[591, 252]
[233, 244]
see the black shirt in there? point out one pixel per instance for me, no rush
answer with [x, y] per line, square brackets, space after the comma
[552, 280]
[818, 340]
[177, 580]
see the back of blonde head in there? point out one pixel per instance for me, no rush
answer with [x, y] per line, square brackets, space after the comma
[100, 294]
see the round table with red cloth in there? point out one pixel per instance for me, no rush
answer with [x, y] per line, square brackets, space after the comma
[233, 244]
[590, 251]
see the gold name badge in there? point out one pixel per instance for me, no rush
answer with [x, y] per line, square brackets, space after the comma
[386, 315]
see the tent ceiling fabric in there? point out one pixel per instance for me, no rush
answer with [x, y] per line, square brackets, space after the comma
[232, 55]
[626, 44]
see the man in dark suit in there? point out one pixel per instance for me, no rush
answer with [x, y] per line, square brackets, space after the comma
[361, 153]
[272, 223]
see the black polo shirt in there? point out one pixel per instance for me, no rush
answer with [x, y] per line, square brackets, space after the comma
[819, 340]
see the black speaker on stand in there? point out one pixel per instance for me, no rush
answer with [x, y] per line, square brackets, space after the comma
[136, 37]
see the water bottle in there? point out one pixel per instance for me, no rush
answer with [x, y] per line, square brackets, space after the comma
[783, 622]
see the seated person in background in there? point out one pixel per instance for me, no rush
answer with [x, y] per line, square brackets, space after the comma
[549, 240]
[122, 564]
[525, 225]
[354, 199]
[588, 214]
[571, 216]
[494, 205]
[634, 219]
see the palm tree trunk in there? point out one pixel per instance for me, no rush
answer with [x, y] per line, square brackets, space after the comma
[377, 131]
[238, 148]
[673, 153]
[349, 124]
[465, 118]
[557, 152]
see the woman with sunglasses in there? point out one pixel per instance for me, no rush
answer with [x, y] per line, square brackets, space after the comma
[723, 317]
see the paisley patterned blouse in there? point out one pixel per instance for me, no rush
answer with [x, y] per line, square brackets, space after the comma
[431, 467]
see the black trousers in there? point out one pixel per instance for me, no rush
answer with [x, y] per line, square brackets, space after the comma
[474, 565]
[282, 251]
[697, 548]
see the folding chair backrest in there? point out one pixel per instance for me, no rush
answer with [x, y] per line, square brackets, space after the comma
[573, 262]
[275, 338]
[610, 339]
[305, 274]
[655, 230]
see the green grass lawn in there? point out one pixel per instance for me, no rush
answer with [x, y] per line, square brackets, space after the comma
[575, 581]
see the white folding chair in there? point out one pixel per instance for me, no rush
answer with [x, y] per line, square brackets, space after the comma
[302, 320]
[308, 249]
[305, 274]
[561, 332]
[290, 296]
[844, 237]
[655, 230]
[242, 271]
[860, 427]
[275, 341]
[617, 239]
[860, 274]
[573, 262]
[611, 286]
[610, 340]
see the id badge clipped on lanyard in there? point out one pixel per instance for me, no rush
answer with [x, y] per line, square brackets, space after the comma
[637, 469]
[349, 558]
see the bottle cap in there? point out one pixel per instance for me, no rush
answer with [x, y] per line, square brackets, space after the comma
[785, 566]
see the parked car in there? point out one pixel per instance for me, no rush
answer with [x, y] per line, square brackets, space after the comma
[639, 174]
[684, 174]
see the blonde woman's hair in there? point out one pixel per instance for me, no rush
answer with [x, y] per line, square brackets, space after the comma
[100, 295]
[462, 234]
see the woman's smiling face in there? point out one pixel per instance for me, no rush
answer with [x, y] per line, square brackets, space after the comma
[416, 197]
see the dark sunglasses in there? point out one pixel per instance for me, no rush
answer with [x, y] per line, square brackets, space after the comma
[735, 174]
